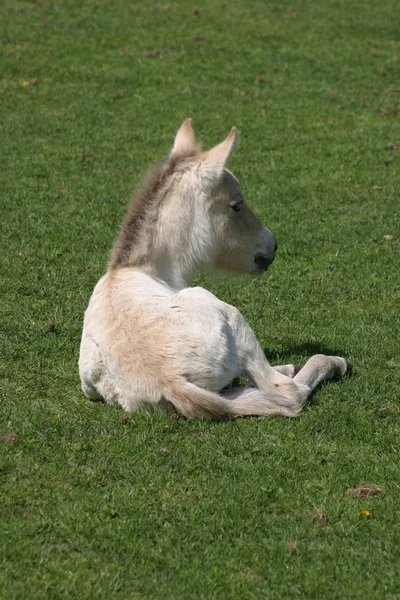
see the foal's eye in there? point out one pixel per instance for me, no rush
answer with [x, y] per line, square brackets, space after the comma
[235, 207]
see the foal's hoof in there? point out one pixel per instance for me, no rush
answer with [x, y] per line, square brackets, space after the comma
[349, 368]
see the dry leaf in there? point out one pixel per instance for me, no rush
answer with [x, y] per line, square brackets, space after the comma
[384, 113]
[391, 146]
[292, 546]
[377, 188]
[261, 80]
[320, 517]
[88, 156]
[195, 11]
[60, 192]
[9, 437]
[364, 491]
[388, 238]
[152, 54]
[165, 451]
[197, 39]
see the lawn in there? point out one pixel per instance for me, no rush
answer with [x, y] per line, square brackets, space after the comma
[98, 504]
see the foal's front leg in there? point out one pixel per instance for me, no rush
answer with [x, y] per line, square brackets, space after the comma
[321, 368]
[278, 392]
[317, 369]
[288, 370]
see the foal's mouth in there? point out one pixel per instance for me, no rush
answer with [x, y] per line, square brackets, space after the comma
[262, 262]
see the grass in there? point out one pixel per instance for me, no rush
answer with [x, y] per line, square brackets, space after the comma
[96, 505]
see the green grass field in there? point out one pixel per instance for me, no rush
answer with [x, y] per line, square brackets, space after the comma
[95, 504]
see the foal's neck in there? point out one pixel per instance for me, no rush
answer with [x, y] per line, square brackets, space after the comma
[171, 273]
[176, 245]
[167, 241]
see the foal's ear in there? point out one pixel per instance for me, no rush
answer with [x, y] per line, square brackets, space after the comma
[185, 140]
[218, 156]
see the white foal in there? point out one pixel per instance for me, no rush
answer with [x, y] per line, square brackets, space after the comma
[151, 342]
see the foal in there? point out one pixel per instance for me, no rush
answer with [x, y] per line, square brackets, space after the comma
[151, 342]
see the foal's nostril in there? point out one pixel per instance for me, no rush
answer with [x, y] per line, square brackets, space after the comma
[276, 245]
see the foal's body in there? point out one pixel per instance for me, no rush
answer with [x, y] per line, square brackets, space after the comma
[151, 342]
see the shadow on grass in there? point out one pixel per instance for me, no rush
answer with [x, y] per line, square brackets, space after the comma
[307, 349]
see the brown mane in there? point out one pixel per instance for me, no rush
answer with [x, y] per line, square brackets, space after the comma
[146, 198]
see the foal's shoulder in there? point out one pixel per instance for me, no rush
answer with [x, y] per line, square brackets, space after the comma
[197, 292]
[199, 297]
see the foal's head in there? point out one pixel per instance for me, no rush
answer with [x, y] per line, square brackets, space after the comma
[192, 213]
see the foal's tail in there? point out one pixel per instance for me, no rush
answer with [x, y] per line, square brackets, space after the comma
[194, 402]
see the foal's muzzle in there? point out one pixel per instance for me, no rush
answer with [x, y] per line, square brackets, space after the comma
[263, 261]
